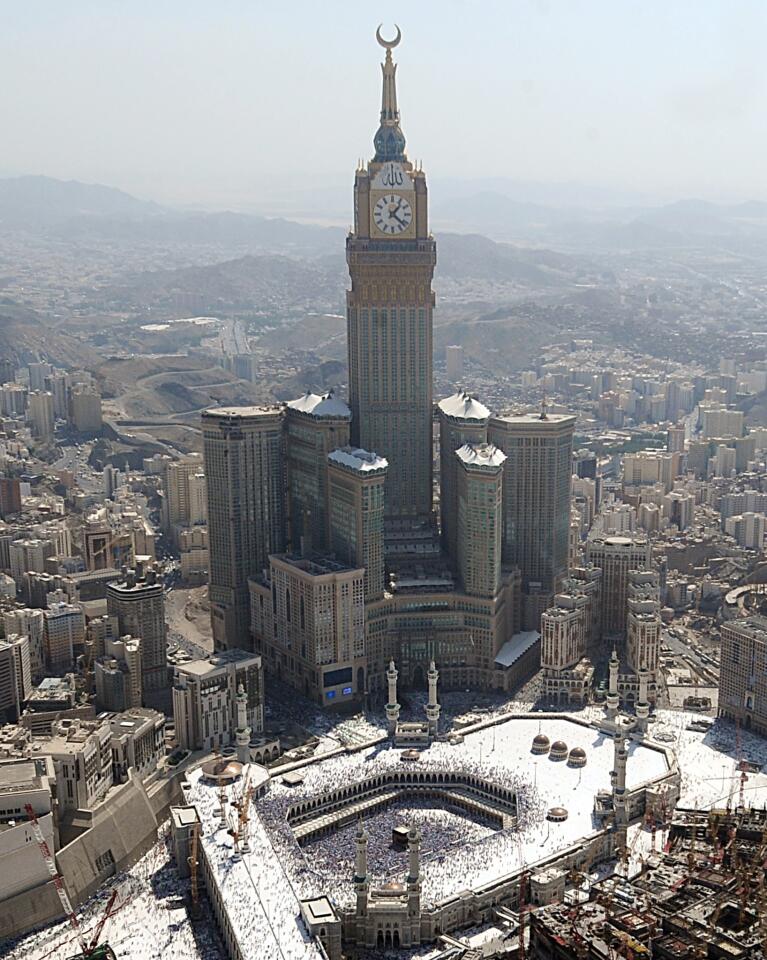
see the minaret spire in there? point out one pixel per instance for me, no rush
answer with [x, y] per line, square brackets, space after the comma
[389, 141]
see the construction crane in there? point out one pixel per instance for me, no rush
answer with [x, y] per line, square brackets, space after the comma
[89, 951]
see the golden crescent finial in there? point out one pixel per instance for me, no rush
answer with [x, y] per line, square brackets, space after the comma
[388, 44]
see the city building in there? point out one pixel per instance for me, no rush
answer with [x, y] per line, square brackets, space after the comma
[137, 741]
[205, 698]
[194, 554]
[391, 256]
[64, 635]
[118, 676]
[454, 363]
[85, 406]
[185, 502]
[567, 674]
[308, 621]
[480, 518]
[245, 472]
[31, 624]
[462, 419]
[41, 416]
[743, 673]
[536, 502]
[747, 529]
[615, 557]
[82, 757]
[138, 603]
[356, 485]
[15, 676]
[315, 425]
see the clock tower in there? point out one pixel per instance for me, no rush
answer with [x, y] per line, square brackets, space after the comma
[391, 258]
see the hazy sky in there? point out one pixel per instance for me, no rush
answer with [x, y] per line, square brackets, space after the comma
[218, 102]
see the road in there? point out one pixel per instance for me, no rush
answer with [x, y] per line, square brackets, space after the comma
[77, 462]
[682, 648]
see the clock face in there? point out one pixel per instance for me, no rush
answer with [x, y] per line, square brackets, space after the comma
[392, 214]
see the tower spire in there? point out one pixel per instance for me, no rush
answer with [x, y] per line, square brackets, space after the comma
[389, 141]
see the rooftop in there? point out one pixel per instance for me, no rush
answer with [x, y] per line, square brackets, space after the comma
[360, 461]
[324, 405]
[462, 406]
[481, 455]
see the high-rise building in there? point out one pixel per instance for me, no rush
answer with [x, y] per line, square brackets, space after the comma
[615, 557]
[309, 625]
[462, 419]
[743, 673]
[356, 506]
[10, 496]
[29, 555]
[87, 416]
[138, 603]
[536, 502]
[185, 494]
[643, 633]
[315, 425]
[28, 623]
[38, 373]
[14, 398]
[480, 505]
[245, 472]
[64, 635]
[747, 529]
[719, 422]
[7, 370]
[391, 256]
[40, 414]
[454, 363]
[567, 674]
[57, 384]
[205, 698]
[15, 676]
[117, 675]
[675, 439]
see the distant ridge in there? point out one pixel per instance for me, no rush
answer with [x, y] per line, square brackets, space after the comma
[41, 199]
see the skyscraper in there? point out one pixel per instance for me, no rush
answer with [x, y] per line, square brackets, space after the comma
[391, 257]
[536, 502]
[615, 557]
[244, 468]
[138, 603]
[462, 419]
[356, 506]
[315, 425]
[480, 484]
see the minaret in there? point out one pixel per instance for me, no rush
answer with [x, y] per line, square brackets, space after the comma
[643, 703]
[392, 707]
[612, 690]
[242, 733]
[432, 707]
[361, 884]
[620, 761]
[414, 876]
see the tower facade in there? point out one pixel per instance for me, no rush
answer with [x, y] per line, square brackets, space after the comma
[356, 482]
[480, 476]
[536, 502]
[391, 258]
[315, 424]
[462, 419]
[244, 467]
